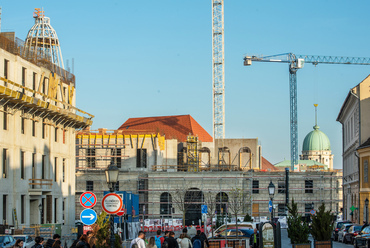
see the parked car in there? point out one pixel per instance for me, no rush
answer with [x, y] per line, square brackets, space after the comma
[353, 231]
[363, 239]
[6, 241]
[343, 230]
[242, 225]
[336, 227]
[231, 233]
[28, 242]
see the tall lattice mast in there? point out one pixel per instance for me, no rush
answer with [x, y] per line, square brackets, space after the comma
[218, 69]
[42, 41]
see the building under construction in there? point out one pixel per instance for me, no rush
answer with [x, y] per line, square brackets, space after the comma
[175, 167]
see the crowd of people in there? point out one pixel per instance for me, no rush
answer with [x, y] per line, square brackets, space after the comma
[168, 240]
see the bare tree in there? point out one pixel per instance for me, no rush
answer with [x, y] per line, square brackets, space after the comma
[210, 201]
[178, 199]
[236, 204]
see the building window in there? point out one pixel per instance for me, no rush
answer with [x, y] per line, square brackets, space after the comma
[166, 203]
[63, 209]
[141, 158]
[5, 117]
[22, 165]
[43, 165]
[90, 157]
[5, 204]
[56, 134]
[116, 186]
[116, 157]
[6, 67]
[34, 81]
[64, 136]
[281, 187]
[33, 128]
[43, 128]
[308, 186]
[24, 73]
[5, 163]
[22, 124]
[256, 185]
[307, 208]
[89, 185]
[281, 210]
[366, 171]
[64, 169]
[55, 210]
[33, 166]
[23, 206]
[55, 169]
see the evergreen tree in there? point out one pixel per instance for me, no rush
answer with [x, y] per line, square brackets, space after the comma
[298, 230]
[322, 224]
[247, 218]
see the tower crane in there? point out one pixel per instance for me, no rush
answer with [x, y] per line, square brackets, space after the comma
[296, 62]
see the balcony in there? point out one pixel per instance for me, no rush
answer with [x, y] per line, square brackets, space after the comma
[40, 186]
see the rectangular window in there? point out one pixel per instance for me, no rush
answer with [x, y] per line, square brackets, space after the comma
[22, 124]
[64, 169]
[23, 206]
[34, 81]
[281, 187]
[55, 169]
[6, 68]
[281, 210]
[63, 209]
[33, 128]
[5, 163]
[43, 129]
[141, 158]
[307, 208]
[22, 165]
[308, 184]
[5, 204]
[90, 157]
[89, 185]
[43, 165]
[64, 136]
[33, 166]
[256, 185]
[5, 117]
[117, 186]
[366, 171]
[55, 210]
[116, 159]
[56, 134]
[24, 76]
[44, 85]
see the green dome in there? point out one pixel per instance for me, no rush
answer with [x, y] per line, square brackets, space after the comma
[316, 141]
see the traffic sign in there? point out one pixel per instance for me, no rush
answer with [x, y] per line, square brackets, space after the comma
[270, 206]
[88, 199]
[88, 216]
[112, 203]
[313, 212]
[122, 212]
[204, 209]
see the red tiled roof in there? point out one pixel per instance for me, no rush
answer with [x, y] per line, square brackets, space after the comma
[173, 127]
[267, 165]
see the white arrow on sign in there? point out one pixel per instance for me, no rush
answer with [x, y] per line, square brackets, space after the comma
[91, 216]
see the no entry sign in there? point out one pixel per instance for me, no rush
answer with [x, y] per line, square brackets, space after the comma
[88, 199]
[121, 212]
[112, 203]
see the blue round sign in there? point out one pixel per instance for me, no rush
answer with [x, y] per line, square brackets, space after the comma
[270, 206]
[88, 216]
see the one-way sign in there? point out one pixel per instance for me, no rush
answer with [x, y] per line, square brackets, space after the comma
[270, 206]
[88, 217]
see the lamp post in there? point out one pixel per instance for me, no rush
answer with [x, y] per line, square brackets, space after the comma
[40, 209]
[111, 174]
[271, 189]
[367, 210]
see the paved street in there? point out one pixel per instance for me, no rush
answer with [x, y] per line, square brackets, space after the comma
[286, 241]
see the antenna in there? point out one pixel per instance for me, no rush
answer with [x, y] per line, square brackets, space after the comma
[315, 113]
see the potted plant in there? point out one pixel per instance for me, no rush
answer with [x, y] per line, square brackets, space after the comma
[322, 226]
[298, 230]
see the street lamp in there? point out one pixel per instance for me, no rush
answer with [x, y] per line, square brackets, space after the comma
[367, 210]
[111, 174]
[271, 189]
[40, 209]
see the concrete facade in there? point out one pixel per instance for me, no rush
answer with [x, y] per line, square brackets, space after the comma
[37, 129]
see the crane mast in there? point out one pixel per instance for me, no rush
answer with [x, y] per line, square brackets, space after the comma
[218, 67]
[296, 62]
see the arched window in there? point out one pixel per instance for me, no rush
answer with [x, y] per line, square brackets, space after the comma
[166, 204]
[193, 200]
[221, 200]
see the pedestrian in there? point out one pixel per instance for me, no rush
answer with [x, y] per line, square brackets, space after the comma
[57, 244]
[139, 241]
[158, 239]
[18, 244]
[254, 240]
[152, 243]
[165, 241]
[184, 241]
[172, 243]
[197, 240]
[365, 224]
[92, 241]
[83, 243]
[50, 242]
[204, 239]
[38, 242]
[75, 242]
[185, 231]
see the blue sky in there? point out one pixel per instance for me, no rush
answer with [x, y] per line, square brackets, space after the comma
[153, 58]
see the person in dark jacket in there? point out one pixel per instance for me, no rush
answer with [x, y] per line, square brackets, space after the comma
[172, 243]
[83, 243]
[38, 242]
[198, 236]
[50, 242]
[254, 240]
[204, 239]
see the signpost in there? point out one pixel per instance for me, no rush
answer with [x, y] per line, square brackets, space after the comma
[88, 199]
[112, 203]
[88, 216]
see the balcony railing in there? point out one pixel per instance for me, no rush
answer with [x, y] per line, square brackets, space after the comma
[40, 184]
